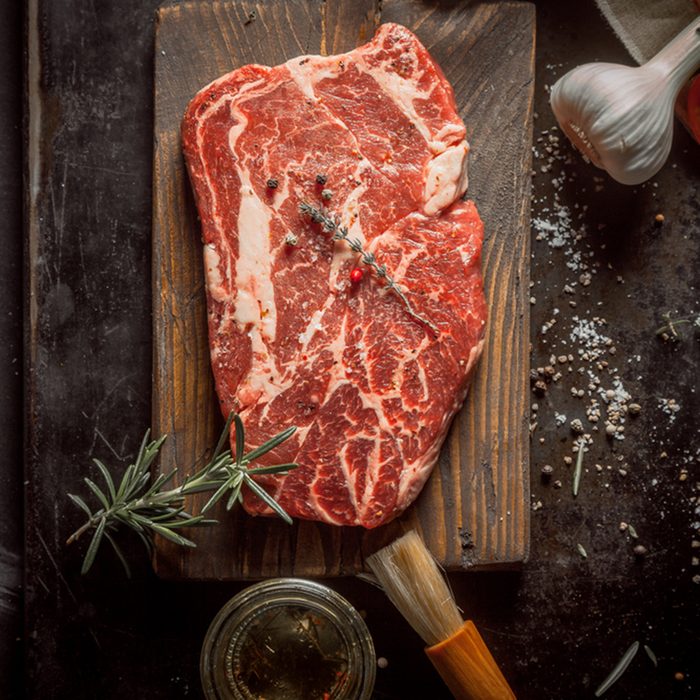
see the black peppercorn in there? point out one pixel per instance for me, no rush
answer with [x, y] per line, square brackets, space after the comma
[272, 183]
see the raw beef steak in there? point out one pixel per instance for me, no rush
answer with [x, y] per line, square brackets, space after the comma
[373, 136]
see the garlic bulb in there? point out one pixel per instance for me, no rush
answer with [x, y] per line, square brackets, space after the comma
[621, 117]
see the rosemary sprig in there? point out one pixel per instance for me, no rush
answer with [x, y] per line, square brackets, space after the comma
[141, 502]
[331, 223]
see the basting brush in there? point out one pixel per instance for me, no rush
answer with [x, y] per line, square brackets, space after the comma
[414, 584]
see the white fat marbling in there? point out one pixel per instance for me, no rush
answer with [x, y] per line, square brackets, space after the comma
[255, 303]
[215, 280]
[446, 178]
[309, 70]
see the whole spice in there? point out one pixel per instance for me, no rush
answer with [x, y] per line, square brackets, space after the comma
[273, 183]
[622, 117]
[141, 503]
[356, 275]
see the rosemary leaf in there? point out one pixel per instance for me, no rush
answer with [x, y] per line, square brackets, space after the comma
[233, 496]
[168, 534]
[107, 477]
[147, 541]
[210, 472]
[619, 669]
[223, 438]
[150, 454]
[273, 469]
[166, 515]
[200, 487]
[139, 483]
[265, 496]
[142, 449]
[269, 445]
[652, 656]
[125, 482]
[578, 469]
[240, 445]
[217, 495]
[131, 522]
[80, 503]
[140, 519]
[188, 522]
[98, 492]
[120, 554]
[94, 545]
[205, 522]
[159, 482]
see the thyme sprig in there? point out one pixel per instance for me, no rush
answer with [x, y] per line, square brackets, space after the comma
[670, 330]
[331, 224]
[141, 502]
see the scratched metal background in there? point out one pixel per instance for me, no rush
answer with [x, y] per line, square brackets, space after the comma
[558, 626]
[11, 511]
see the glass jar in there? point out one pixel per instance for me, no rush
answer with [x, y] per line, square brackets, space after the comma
[288, 639]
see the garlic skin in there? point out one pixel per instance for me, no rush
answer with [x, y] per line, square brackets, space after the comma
[622, 117]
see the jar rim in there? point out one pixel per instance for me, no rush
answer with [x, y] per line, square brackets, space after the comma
[279, 592]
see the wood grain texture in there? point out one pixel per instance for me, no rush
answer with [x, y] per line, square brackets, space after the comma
[474, 511]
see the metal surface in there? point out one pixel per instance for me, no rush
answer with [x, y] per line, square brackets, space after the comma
[10, 344]
[558, 627]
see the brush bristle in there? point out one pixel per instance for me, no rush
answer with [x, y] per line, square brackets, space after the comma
[414, 584]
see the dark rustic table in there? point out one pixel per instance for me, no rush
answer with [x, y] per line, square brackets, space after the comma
[605, 278]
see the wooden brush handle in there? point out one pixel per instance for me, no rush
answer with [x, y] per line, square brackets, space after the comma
[467, 667]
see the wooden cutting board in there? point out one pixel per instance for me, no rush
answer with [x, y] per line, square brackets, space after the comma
[474, 511]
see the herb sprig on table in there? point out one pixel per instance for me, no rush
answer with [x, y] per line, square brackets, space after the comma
[140, 501]
[331, 224]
